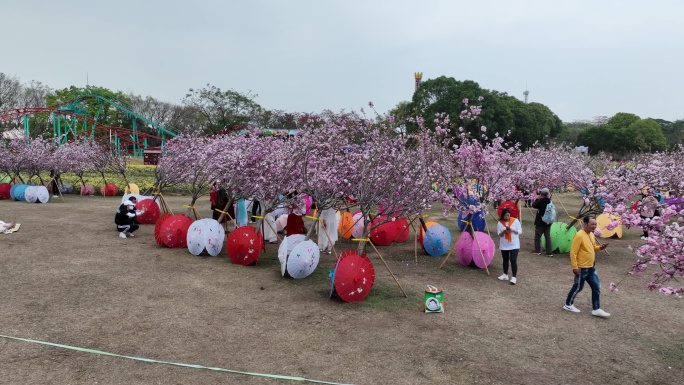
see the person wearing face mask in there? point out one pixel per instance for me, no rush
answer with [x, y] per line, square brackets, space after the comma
[125, 219]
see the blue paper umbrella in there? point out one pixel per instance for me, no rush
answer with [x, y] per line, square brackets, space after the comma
[437, 240]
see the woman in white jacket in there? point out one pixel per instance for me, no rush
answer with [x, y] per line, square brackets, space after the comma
[509, 230]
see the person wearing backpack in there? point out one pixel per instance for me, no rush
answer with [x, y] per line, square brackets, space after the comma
[542, 227]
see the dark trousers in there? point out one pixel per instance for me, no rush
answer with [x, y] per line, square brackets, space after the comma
[255, 209]
[538, 232]
[512, 256]
[127, 228]
[589, 275]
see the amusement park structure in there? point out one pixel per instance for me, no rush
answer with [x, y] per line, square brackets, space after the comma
[71, 120]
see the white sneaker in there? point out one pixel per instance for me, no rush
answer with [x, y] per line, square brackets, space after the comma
[129, 234]
[644, 238]
[571, 308]
[503, 277]
[122, 235]
[513, 280]
[600, 313]
[55, 196]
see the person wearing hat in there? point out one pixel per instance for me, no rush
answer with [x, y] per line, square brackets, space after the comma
[125, 218]
[540, 227]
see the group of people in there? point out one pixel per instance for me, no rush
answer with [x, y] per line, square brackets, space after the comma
[582, 252]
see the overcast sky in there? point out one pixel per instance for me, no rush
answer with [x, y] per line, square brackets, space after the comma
[580, 58]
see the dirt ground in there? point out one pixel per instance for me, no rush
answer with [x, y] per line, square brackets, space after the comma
[66, 277]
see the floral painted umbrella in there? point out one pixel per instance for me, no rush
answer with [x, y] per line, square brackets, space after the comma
[285, 248]
[511, 206]
[303, 259]
[151, 211]
[174, 231]
[485, 244]
[437, 240]
[206, 235]
[463, 253]
[353, 277]
[244, 245]
[403, 229]
[158, 229]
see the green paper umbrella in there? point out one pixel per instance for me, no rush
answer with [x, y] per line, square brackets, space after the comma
[561, 237]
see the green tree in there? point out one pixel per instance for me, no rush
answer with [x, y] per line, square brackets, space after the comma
[621, 120]
[221, 111]
[673, 131]
[645, 135]
[104, 113]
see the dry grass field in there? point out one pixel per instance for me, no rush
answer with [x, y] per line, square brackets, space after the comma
[67, 278]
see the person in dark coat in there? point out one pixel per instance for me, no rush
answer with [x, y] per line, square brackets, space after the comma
[540, 227]
[125, 219]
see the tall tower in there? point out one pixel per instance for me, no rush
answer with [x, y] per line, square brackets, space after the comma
[419, 77]
[526, 93]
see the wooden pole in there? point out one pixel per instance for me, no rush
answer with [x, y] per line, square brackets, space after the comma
[389, 270]
[481, 253]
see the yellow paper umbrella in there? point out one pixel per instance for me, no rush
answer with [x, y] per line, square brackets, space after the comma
[603, 220]
[132, 188]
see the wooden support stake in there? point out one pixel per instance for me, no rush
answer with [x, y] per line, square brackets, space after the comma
[389, 270]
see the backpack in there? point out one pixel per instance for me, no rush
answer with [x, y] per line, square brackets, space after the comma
[550, 214]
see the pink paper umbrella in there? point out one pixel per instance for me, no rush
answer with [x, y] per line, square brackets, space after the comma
[463, 253]
[359, 225]
[486, 244]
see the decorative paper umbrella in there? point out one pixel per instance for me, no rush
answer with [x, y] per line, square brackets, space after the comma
[244, 245]
[303, 259]
[206, 235]
[87, 190]
[421, 233]
[678, 202]
[359, 225]
[281, 223]
[437, 240]
[510, 205]
[353, 277]
[285, 249]
[477, 220]
[131, 188]
[31, 194]
[5, 190]
[346, 225]
[43, 194]
[109, 190]
[486, 245]
[151, 214]
[561, 237]
[308, 202]
[67, 188]
[384, 234]
[19, 191]
[175, 231]
[603, 220]
[463, 253]
[158, 227]
[403, 229]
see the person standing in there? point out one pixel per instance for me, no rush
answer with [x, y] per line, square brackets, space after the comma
[213, 193]
[583, 262]
[509, 230]
[648, 210]
[541, 227]
[55, 181]
[327, 229]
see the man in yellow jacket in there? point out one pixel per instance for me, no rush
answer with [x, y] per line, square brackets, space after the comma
[582, 260]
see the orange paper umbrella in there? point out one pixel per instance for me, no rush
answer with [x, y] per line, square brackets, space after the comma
[346, 225]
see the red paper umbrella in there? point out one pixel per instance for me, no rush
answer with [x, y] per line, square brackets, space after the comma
[151, 213]
[353, 276]
[403, 231]
[5, 190]
[158, 228]
[463, 251]
[510, 205]
[175, 231]
[346, 225]
[244, 245]
[109, 190]
[384, 234]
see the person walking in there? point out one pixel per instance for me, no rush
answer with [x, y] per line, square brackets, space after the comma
[509, 230]
[541, 227]
[583, 262]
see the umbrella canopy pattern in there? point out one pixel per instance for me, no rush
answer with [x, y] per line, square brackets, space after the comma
[384, 234]
[303, 259]
[346, 225]
[561, 237]
[151, 214]
[34, 194]
[482, 249]
[359, 225]
[244, 245]
[477, 220]
[158, 227]
[175, 231]
[511, 206]
[603, 220]
[353, 277]
[437, 240]
[285, 248]
[403, 230]
[281, 223]
[463, 253]
[206, 235]
[5, 190]
[18, 192]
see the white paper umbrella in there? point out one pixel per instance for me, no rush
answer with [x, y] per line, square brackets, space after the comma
[359, 225]
[43, 194]
[303, 259]
[31, 194]
[281, 222]
[285, 249]
[205, 234]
